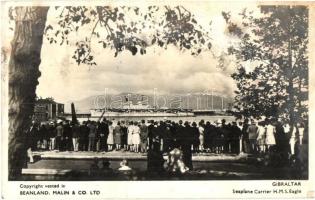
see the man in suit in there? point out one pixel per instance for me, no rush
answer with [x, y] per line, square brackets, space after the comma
[179, 133]
[75, 135]
[67, 136]
[252, 131]
[235, 138]
[92, 135]
[186, 141]
[84, 137]
[144, 136]
[103, 134]
[150, 133]
[59, 137]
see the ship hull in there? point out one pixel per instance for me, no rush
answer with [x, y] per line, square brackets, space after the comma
[141, 114]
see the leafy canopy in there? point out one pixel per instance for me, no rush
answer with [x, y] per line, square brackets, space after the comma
[129, 28]
[272, 67]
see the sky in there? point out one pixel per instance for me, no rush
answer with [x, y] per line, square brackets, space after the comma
[169, 71]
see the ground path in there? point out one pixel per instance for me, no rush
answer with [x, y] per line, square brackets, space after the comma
[53, 165]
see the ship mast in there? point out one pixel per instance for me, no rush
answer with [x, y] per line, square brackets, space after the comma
[128, 103]
[222, 102]
[104, 109]
[212, 99]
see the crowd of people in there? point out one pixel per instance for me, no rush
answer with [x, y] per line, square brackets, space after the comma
[248, 136]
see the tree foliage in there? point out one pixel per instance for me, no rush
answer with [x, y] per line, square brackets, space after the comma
[128, 28]
[272, 67]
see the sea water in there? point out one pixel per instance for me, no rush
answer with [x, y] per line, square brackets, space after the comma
[210, 118]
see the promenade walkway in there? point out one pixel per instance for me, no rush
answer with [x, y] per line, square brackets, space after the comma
[119, 155]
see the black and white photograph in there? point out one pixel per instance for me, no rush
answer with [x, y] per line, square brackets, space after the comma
[157, 92]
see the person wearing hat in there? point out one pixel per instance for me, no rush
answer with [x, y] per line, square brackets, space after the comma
[52, 136]
[129, 136]
[208, 137]
[156, 137]
[155, 159]
[186, 142]
[110, 138]
[225, 139]
[136, 137]
[245, 141]
[103, 131]
[270, 135]
[92, 135]
[75, 135]
[43, 136]
[200, 135]
[179, 133]
[235, 138]
[218, 137]
[117, 136]
[67, 136]
[194, 137]
[161, 131]
[123, 135]
[252, 131]
[150, 133]
[261, 137]
[144, 136]
[59, 136]
[167, 138]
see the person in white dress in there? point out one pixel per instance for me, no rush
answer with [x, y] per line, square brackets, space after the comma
[129, 136]
[288, 135]
[136, 137]
[110, 138]
[270, 135]
[201, 136]
[261, 138]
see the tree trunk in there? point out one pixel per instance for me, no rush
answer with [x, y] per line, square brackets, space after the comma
[290, 89]
[23, 79]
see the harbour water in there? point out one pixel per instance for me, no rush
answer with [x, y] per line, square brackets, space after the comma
[197, 118]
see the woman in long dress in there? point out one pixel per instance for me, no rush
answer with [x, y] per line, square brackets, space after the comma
[261, 138]
[110, 138]
[129, 136]
[136, 137]
[270, 135]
